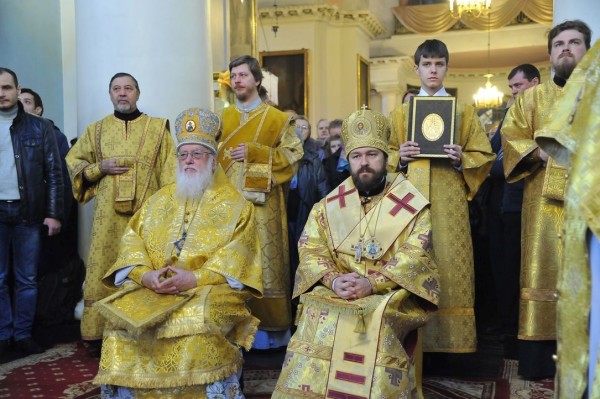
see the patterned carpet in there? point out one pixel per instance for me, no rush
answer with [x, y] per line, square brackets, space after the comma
[521, 389]
[455, 388]
[66, 372]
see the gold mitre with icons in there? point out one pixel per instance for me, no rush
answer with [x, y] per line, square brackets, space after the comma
[198, 126]
[366, 128]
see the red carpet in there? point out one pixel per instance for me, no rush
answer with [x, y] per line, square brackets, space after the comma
[66, 372]
[63, 372]
[522, 389]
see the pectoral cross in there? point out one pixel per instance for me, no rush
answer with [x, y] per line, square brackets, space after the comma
[358, 248]
[179, 243]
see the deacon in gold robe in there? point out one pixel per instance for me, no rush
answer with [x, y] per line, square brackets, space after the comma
[119, 161]
[543, 196]
[572, 138]
[188, 262]
[259, 151]
[448, 183]
[366, 280]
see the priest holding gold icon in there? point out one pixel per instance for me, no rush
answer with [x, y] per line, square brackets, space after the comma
[444, 151]
[188, 262]
[366, 280]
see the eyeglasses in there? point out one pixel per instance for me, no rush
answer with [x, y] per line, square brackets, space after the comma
[195, 154]
[301, 127]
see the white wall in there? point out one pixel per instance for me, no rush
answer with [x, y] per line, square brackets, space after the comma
[166, 47]
[585, 10]
[333, 48]
[30, 45]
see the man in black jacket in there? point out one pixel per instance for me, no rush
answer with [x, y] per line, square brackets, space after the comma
[31, 190]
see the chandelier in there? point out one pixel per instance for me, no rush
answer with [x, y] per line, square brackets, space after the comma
[488, 96]
[469, 8]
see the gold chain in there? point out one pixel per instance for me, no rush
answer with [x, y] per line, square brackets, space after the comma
[368, 227]
[185, 226]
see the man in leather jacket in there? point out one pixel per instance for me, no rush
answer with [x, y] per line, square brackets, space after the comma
[31, 196]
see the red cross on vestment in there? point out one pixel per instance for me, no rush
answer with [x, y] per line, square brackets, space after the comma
[402, 203]
[341, 195]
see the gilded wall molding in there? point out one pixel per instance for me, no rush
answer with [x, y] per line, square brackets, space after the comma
[326, 13]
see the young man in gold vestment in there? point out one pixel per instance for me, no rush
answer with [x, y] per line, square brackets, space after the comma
[543, 197]
[120, 161]
[366, 280]
[448, 183]
[188, 262]
[572, 138]
[259, 151]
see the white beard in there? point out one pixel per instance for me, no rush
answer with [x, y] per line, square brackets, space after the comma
[191, 187]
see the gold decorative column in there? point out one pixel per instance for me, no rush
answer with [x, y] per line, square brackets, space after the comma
[242, 23]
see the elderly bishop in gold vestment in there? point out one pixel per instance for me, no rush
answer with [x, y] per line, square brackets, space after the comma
[259, 151]
[572, 138]
[188, 262]
[543, 196]
[366, 280]
[120, 161]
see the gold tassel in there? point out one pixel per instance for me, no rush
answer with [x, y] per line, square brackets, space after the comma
[361, 327]
[298, 314]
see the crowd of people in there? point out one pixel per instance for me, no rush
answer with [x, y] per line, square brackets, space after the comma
[351, 248]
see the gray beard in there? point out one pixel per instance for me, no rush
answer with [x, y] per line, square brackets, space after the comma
[191, 187]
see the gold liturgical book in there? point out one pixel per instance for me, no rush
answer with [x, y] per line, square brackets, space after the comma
[128, 308]
[431, 123]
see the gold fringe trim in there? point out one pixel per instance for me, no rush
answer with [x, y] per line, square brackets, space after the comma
[195, 377]
[248, 339]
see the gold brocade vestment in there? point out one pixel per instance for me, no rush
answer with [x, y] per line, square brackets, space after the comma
[452, 327]
[198, 343]
[542, 215]
[145, 145]
[572, 138]
[272, 154]
[361, 348]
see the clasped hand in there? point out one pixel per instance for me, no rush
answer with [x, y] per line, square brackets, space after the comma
[169, 280]
[352, 286]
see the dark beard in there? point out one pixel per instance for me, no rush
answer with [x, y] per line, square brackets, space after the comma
[565, 69]
[370, 184]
